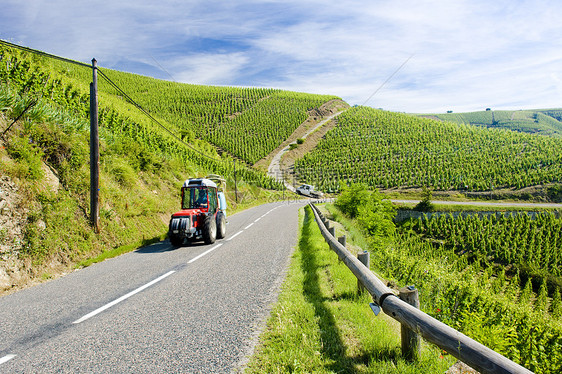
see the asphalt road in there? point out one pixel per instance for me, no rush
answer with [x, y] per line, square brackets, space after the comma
[195, 309]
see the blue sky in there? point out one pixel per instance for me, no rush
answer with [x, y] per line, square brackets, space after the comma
[466, 55]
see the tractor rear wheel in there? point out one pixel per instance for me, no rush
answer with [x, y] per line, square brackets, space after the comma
[221, 225]
[210, 230]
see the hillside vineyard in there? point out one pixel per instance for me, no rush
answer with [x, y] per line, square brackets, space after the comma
[385, 150]
[244, 123]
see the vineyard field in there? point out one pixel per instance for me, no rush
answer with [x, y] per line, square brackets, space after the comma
[393, 150]
[494, 278]
[246, 122]
[521, 240]
[503, 284]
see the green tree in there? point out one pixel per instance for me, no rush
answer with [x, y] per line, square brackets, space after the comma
[352, 198]
[425, 205]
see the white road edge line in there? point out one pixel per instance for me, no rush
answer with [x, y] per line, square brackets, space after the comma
[257, 220]
[250, 225]
[235, 235]
[204, 253]
[6, 358]
[124, 297]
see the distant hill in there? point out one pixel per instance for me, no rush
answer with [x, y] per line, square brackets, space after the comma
[534, 121]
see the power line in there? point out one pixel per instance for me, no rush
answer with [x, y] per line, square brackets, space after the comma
[162, 68]
[114, 85]
[387, 79]
[35, 51]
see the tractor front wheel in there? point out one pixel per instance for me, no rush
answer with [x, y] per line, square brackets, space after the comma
[175, 240]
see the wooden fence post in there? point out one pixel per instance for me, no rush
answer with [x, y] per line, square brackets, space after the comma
[342, 240]
[365, 259]
[411, 342]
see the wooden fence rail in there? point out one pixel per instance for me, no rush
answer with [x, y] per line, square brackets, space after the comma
[452, 341]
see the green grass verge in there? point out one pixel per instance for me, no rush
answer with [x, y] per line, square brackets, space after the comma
[114, 252]
[320, 324]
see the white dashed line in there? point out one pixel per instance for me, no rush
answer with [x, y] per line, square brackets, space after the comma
[235, 235]
[117, 301]
[6, 358]
[204, 253]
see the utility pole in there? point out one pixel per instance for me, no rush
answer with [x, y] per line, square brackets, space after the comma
[283, 181]
[94, 151]
[235, 185]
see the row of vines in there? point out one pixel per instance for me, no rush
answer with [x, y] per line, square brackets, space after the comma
[387, 150]
[523, 240]
[246, 122]
[520, 322]
[67, 86]
[494, 277]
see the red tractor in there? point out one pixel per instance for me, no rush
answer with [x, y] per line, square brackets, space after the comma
[202, 214]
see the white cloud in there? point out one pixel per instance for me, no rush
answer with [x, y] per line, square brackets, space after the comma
[467, 54]
[208, 69]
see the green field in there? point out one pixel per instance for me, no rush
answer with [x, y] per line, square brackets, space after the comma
[540, 121]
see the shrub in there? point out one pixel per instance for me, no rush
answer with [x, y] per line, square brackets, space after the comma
[425, 205]
[28, 156]
[372, 212]
[352, 198]
[124, 174]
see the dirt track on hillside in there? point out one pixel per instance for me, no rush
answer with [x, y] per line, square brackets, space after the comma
[311, 131]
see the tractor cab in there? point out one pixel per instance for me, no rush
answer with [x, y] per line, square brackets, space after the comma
[199, 194]
[203, 211]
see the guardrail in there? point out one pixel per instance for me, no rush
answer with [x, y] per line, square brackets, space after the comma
[452, 341]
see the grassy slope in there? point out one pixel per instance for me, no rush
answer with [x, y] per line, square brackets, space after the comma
[542, 121]
[321, 325]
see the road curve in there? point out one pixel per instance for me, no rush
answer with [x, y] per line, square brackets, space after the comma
[195, 309]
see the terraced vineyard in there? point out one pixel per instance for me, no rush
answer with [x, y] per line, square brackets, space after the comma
[386, 150]
[248, 123]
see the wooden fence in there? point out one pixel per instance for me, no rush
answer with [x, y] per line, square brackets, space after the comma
[452, 341]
